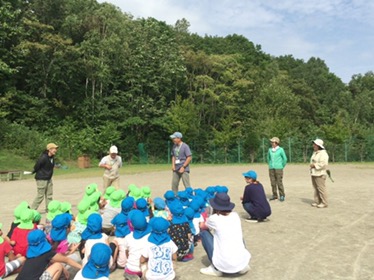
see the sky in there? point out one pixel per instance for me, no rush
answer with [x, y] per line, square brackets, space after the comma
[340, 32]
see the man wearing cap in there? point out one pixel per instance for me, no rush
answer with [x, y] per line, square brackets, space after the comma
[180, 158]
[111, 163]
[277, 160]
[318, 166]
[43, 170]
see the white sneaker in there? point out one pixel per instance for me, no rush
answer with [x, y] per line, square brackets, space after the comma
[314, 204]
[210, 270]
[244, 270]
[321, 205]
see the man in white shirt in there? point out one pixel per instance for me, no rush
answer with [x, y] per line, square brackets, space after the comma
[111, 163]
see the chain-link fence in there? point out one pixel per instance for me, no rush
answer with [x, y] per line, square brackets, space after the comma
[297, 150]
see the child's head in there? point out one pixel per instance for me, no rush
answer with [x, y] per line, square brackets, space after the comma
[60, 227]
[169, 196]
[65, 207]
[159, 203]
[26, 219]
[141, 204]
[139, 223]
[98, 262]
[222, 189]
[90, 189]
[115, 199]
[183, 198]
[36, 217]
[159, 234]
[18, 210]
[146, 192]
[177, 211]
[94, 226]
[37, 244]
[127, 205]
[135, 193]
[109, 190]
[53, 209]
[210, 191]
[121, 226]
[190, 213]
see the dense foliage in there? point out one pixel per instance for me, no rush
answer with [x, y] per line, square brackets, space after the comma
[86, 75]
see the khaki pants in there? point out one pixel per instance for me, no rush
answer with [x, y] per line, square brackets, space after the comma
[185, 176]
[276, 180]
[320, 192]
[107, 182]
[44, 189]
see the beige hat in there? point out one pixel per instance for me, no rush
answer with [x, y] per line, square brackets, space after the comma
[275, 139]
[51, 146]
[113, 150]
[319, 143]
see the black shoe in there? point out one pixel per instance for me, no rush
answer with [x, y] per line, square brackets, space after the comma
[273, 198]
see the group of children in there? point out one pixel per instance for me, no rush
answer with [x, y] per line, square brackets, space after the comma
[114, 230]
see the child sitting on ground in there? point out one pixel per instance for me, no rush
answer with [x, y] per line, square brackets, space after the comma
[39, 256]
[135, 242]
[159, 209]
[179, 230]
[98, 263]
[7, 251]
[110, 210]
[159, 253]
[19, 236]
[121, 230]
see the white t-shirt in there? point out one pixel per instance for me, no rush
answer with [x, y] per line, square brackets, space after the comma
[108, 215]
[196, 223]
[160, 260]
[135, 248]
[89, 244]
[79, 276]
[229, 254]
[122, 258]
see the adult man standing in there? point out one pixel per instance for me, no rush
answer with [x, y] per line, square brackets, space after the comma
[277, 160]
[43, 170]
[111, 163]
[180, 158]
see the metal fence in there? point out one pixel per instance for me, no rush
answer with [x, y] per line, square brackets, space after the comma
[297, 150]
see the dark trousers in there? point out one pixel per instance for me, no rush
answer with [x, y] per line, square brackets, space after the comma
[276, 180]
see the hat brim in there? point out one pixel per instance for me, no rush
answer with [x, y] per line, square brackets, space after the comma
[220, 207]
[314, 142]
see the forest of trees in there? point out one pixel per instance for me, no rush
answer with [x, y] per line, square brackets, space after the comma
[87, 75]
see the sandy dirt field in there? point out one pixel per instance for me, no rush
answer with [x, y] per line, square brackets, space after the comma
[299, 242]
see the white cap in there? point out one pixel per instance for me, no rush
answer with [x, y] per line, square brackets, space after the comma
[319, 143]
[113, 150]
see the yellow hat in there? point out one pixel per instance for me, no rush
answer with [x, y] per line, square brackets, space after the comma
[52, 146]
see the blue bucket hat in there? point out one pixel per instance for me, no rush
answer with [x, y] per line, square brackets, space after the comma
[190, 213]
[159, 203]
[195, 205]
[159, 234]
[141, 204]
[169, 196]
[222, 189]
[94, 226]
[98, 262]
[183, 198]
[189, 191]
[127, 205]
[38, 244]
[210, 191]
[60, 224]
[250, 174]
[120, 223]
[138, 221]
[177, 211]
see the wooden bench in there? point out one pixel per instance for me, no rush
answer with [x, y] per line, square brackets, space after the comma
[8, 175]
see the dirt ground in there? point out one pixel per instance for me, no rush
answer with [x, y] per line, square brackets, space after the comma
[299, 241]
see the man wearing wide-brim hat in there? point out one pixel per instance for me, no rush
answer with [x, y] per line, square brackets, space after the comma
[318, 171]
[43, 171]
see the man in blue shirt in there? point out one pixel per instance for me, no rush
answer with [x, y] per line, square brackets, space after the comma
[180, 157]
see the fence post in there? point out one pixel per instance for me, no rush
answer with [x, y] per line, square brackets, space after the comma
[239, 151]
[169, 152]
[289, 148]
[345, 152]
[263, 149]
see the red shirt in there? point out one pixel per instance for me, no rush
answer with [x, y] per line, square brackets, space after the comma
[20, 237]
[5, 248]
